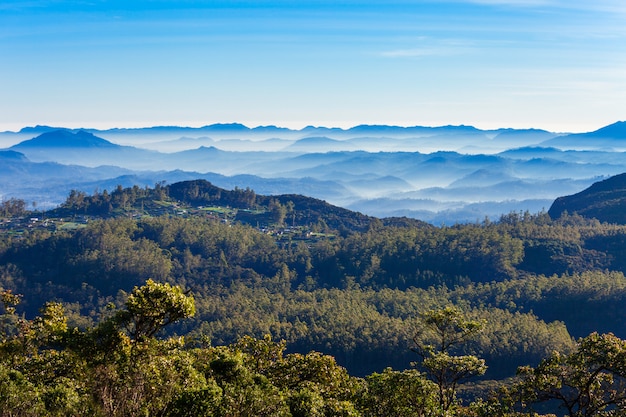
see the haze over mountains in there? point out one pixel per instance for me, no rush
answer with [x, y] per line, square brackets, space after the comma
[439, 174]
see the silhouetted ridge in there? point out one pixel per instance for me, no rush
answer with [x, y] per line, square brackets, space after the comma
[609, 136]
[615, 130]
[604, 200]
[13, 156]
[66, 139]
[39, 129]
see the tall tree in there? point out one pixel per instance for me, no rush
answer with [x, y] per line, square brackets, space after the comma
[153, 306]
[440, 333]
[591, 381]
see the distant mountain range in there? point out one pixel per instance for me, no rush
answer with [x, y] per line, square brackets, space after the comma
[80, 147]
[439, 174]
[611, 137]
[393, 137]
[65, 139]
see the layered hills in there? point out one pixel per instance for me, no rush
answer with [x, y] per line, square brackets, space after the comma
[440, 174]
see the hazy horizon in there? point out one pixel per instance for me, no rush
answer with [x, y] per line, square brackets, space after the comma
[548, 64]
[104, 127]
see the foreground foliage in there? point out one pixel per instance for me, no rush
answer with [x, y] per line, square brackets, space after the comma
[50, 369]
[588, 382]
[441, 332]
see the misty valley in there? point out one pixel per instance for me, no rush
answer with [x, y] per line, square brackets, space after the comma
[441, 175]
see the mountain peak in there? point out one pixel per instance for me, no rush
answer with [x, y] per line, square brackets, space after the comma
[13, 156]
[235, 127]
[609, 137]
[615, 130]
[62, 138]
[39, 129]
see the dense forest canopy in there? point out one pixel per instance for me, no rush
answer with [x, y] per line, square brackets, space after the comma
[318, 277]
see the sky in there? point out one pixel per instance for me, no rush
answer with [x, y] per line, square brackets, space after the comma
[558, 65]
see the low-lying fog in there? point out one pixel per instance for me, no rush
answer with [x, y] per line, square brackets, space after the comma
[443, 175]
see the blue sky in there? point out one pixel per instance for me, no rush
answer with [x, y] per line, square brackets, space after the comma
[553, 64]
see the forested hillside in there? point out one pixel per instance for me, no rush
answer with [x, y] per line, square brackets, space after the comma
[604, 200]
[317, 277]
